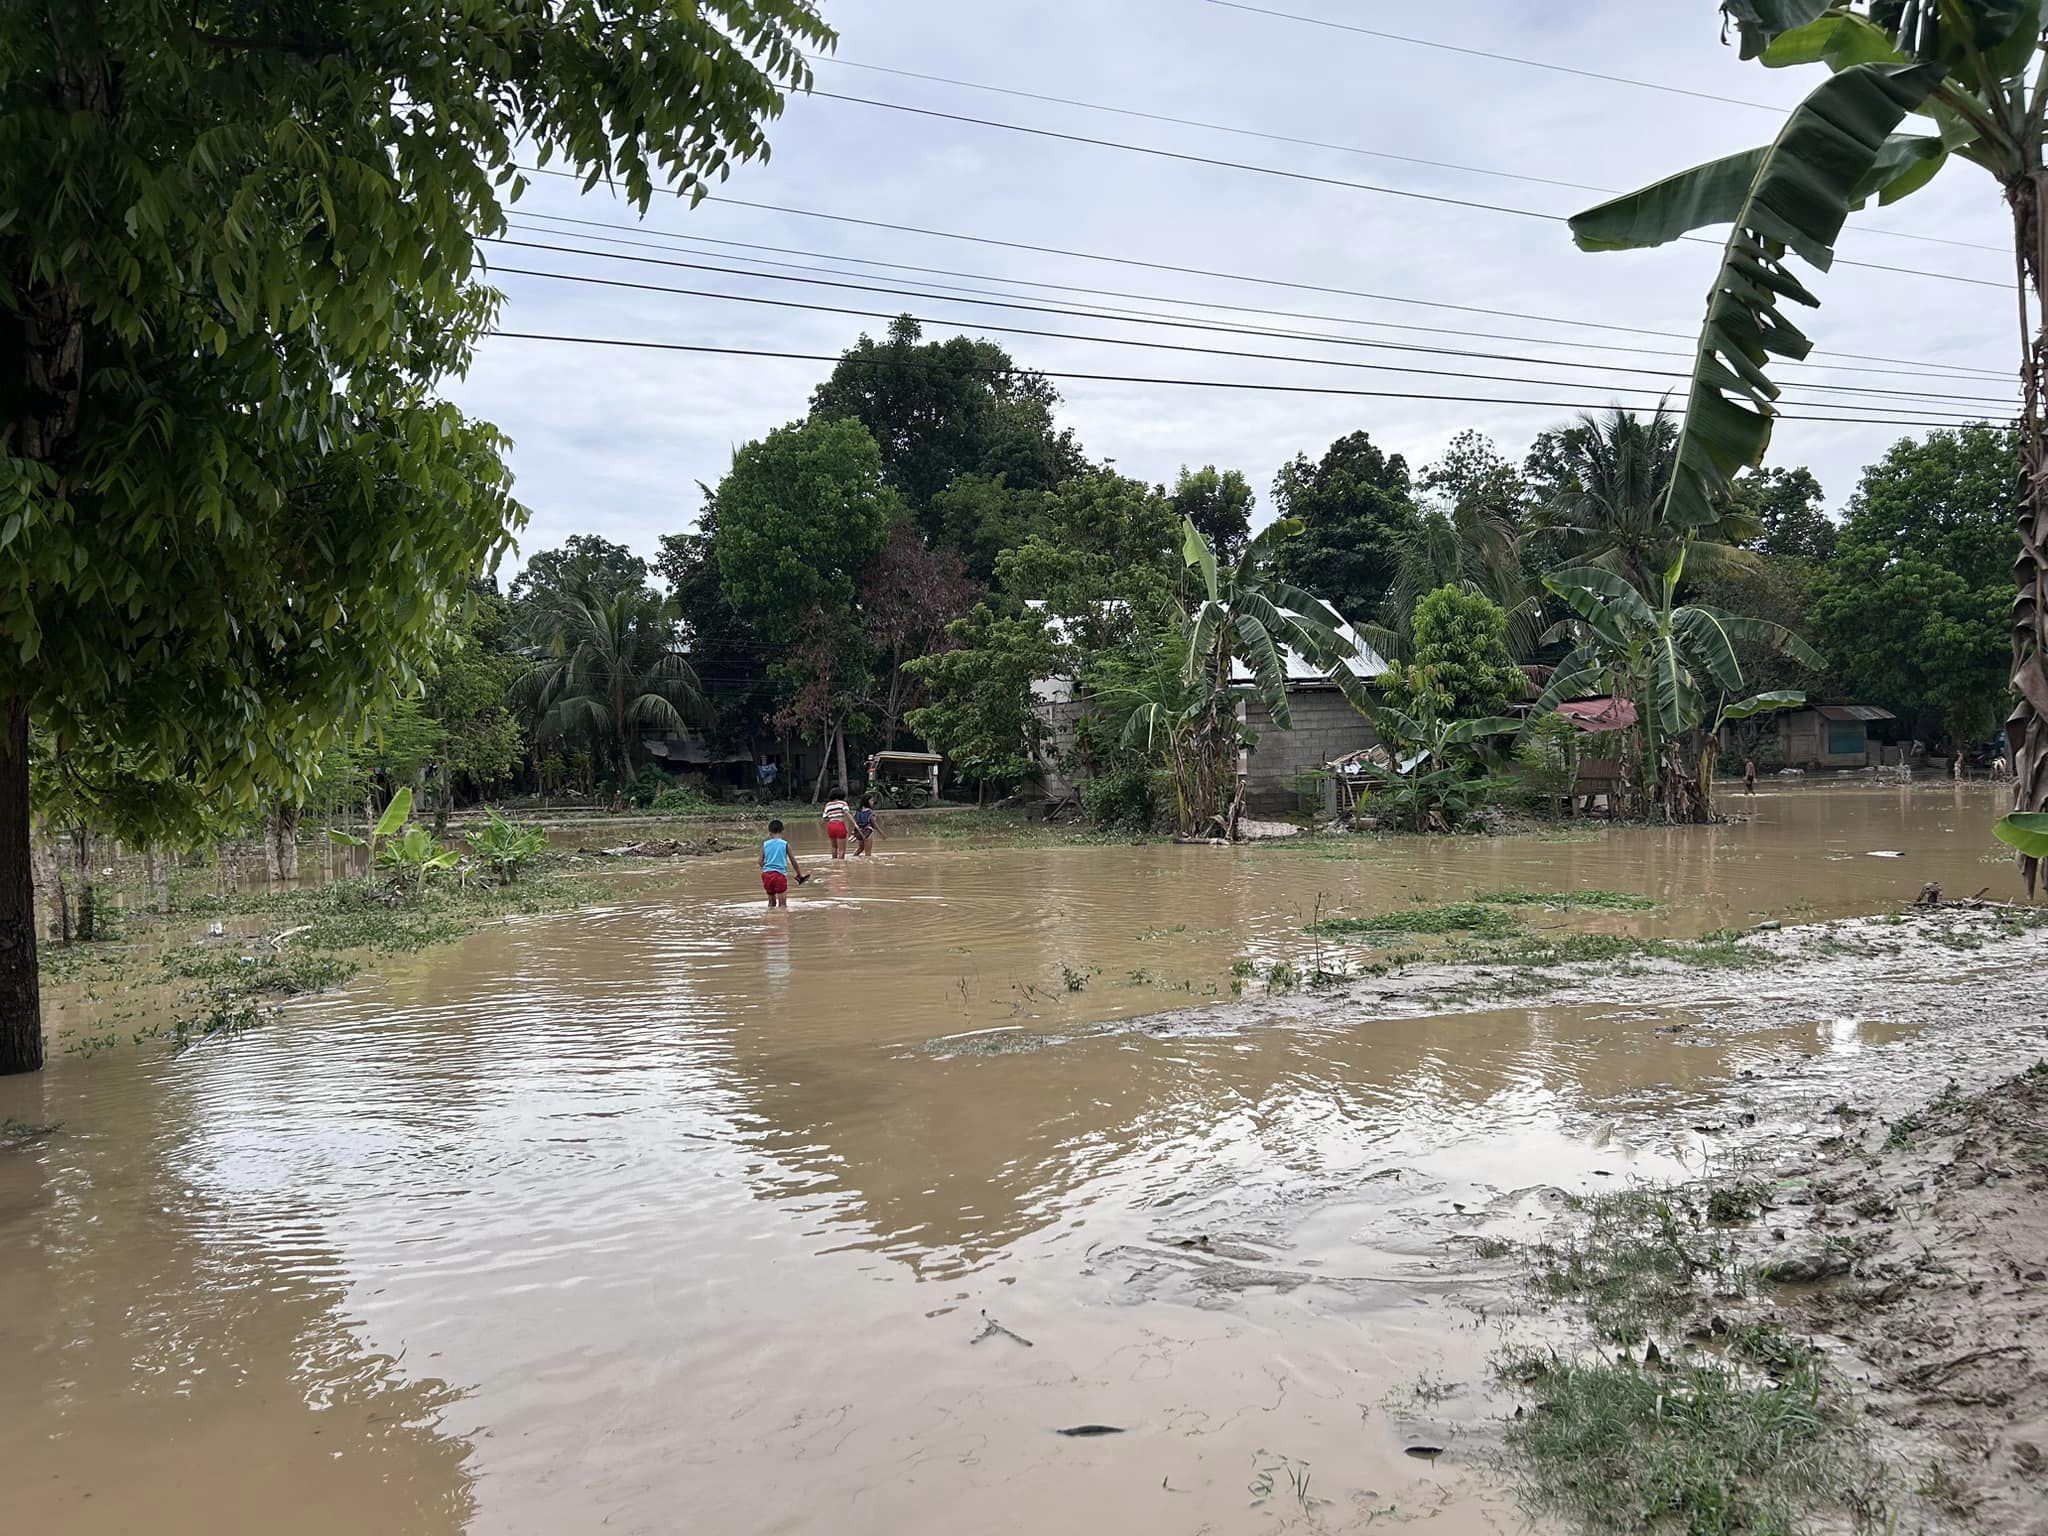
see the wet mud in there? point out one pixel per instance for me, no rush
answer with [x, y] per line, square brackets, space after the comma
[671, 1205]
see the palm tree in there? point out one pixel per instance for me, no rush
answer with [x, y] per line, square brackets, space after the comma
[1244, 615]
[1613, 513]
[1473, 546]
[611, 668]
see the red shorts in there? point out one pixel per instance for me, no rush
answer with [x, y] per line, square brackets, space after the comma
[836, 830]
[774, 882]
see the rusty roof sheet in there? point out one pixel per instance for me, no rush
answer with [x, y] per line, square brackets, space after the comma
[1853, 712]
[1594, 716]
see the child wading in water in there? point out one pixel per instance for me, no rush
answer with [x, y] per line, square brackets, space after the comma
[837, 815]
[778, 863]
[864, 827]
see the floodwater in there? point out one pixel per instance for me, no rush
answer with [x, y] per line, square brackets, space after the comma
[679, 1215]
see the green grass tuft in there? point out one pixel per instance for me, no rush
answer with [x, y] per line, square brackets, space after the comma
[1455, 917]
[1565, 901]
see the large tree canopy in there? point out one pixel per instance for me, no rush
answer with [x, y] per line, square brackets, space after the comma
[1911, 608]
[940, 409]
[236, 256]
[801, 514]
[1354, 505]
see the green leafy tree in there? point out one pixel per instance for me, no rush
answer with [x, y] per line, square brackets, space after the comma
[1354, 505]
[1912, 608]
[980, 516]
[1219, 503]
[942, 409]
[1473, 474]
[979, 696]
[1102, 563]
[584, 566]
[613, 670]
[801, 514]
[1461, 658]
[1971, 69]
[1611, 511]
[1789, 510]
[236, 256]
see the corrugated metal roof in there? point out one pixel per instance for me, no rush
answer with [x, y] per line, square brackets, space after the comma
[1853, 712]
[1596, 715]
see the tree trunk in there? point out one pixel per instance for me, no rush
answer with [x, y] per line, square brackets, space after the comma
[895, 698]
[839, 752]
[444, 803]
[281, 845]
[824, 766]
[85, 920]
[2026, 729]
[21, 1008]
[158, 874]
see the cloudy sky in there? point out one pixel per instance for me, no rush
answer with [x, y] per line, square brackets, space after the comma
[613, 441]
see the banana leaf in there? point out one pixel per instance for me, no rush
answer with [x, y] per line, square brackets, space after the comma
[2025, 830]
[1797, 199]
[1764, 703]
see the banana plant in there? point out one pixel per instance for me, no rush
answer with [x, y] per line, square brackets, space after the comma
[1241, 613]
[1671, 660]
[505, 845]
[415, 854]
[1973, 72]
[1432, 780]
[394, 817]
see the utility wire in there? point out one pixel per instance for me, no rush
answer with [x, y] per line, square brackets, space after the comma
[1688, 337]
[1124, 378]
[1501, 58]
[1099, 311]
[1344, 149]
[1069, 313]
[1337, 181]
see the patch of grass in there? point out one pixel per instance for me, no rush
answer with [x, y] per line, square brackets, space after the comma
[1565, 901]
[1470, 917]
[1732, 1204]
[1631, 1264]
[1703, 1449]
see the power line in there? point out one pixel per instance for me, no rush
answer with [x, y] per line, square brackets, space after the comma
[1069, 313]
[1008, 300]
[1336, 181]
[1918, 365]
[1501, 58]
[1190, 122]
[1124, 378]
[1344, 149]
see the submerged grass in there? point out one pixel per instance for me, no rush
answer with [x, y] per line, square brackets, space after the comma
[1565, 901]
[1469, 917]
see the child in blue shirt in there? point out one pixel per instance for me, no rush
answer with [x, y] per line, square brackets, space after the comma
[778, 863]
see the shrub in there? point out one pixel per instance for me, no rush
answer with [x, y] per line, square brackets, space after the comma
[1122, 799]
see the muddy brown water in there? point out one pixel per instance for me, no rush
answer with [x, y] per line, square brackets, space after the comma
[678, 1215]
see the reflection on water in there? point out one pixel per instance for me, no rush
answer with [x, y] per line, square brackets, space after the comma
[662, 1215]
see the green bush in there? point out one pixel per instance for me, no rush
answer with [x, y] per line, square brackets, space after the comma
[681, 800]
[1122, 799]
[646, 786]
[1546, 764]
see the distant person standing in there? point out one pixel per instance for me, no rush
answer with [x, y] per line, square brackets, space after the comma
[838, 818]
[1749, 775]
[864, 827]
[778, 863]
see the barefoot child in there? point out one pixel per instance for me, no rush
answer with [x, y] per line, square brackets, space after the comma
[864, 827]
[837, 815]
[778, 863]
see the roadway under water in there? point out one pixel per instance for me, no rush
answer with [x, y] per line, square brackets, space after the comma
[677, 1214]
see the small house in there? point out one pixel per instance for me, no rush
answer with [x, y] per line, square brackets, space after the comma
[1830, 735]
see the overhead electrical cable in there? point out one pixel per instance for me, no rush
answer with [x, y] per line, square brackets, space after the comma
[1500, 58]
[2001, 374]
[1339, 181]
[1345, 149]
[1203, 322]
[641, 344]
[1919, 413]
[1070, 313]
